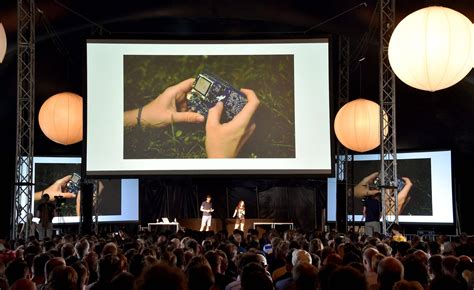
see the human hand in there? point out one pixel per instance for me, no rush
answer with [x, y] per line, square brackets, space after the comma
[403, 196]
[226, 140]
[57, 189]
[170, 107]
[362, 188]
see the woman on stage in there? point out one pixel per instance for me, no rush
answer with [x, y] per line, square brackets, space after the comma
[239, 215]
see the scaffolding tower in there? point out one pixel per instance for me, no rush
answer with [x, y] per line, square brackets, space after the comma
[23, 189]
[343, 158]
[388, 145]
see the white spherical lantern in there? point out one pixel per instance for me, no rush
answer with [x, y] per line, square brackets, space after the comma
[357, 125]
[3, 43]
[430, 49]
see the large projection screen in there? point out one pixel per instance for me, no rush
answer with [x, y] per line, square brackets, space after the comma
[290, 78]
[431, 196]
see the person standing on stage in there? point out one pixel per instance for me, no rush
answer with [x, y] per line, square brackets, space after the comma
[206, 208]
[46, 211]
[239, 215]
[372, 213]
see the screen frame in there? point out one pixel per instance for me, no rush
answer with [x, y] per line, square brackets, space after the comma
[218, 172]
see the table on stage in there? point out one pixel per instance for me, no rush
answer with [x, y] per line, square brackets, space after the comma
[273, 224]
[159, 224]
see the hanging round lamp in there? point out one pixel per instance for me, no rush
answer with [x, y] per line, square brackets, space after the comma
[431, 49]
[60, 118]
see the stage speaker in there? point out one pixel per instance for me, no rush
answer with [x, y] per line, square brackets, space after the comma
[341, 208]
[87, 193]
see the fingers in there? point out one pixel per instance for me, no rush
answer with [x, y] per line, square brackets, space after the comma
[372, 176]
[68, 194]
[64, 180]
[187, 117]
[214, 115]
[249, 109]
[180, 90]
[248, 132]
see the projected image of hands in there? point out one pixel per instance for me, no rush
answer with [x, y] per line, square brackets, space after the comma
[178, 107]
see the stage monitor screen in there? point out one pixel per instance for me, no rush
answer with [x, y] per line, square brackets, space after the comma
[254, 107]
[117, 199]
[429, 200]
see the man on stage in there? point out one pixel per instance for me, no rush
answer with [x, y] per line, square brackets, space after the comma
[206, 208]
[46, 211]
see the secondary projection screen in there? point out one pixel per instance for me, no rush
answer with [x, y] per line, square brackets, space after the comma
[117, 199]
[430, 199]
[287, 133]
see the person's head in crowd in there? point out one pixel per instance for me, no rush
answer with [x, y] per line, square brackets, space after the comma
[175, 243]
[244, 259]
[197, 260]
[434, 248]
[168, 257]
[416, 270]
[109, 248]
[446, 282]
[92, 260]
[82, 248]
[224, 261]
[38, 267]
[333, 259]
[422, 255]
[305, 276]
[282, 250]
[51, 264]
[315, 245]
[179, 254]
[351, 257]
[67, 250]
[254, 277]
[407, 285]
[375, 261]
[62, 278]
[109, 266]
[23, 284]
[300, 256]
[346, 277]
[214, 261]
[367, 255]
[15, 270]
[384, 249]
[162, 276]
[316, 261]
[324, 274]
[389, 271]
[435, 268]
[448, 265]
[200, 276]
[192, 245]
[136, 265]
[123, 281]
[325, 253]
[82, 274]
[48, 246]
[263, 261]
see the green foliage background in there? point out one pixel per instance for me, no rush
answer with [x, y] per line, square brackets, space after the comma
[270, 76]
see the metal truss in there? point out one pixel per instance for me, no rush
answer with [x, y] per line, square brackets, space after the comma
[23, 192]
[388, 145]
[343, 158]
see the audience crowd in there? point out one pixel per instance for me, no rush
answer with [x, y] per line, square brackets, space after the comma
[190, 260]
